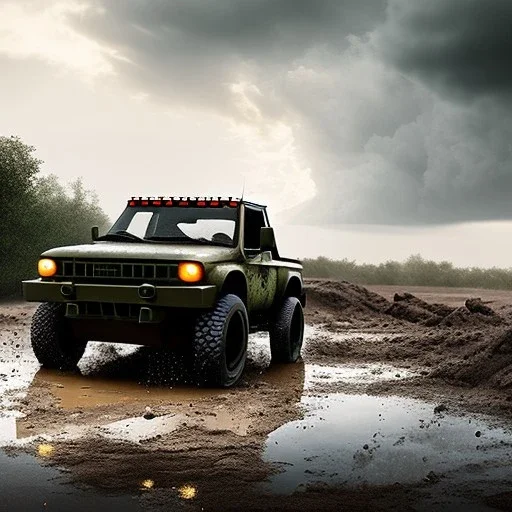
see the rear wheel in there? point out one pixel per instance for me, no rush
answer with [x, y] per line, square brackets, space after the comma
[52, 341]
[220, 343]
[287, 332]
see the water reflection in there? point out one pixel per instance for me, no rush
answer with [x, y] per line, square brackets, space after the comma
[187, 492]
[354, 439]
[45, 450]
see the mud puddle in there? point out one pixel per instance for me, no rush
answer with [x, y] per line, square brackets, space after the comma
[79, 394]
[350, 374]
[77, 390]
[360, 439]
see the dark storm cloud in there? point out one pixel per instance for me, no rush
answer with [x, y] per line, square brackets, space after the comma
[461, 45]
[400, 110]
[253, 28]
[189, 50]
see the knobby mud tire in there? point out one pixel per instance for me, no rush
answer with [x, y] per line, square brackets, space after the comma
[52, 341]
[287, 332]
[220, 343]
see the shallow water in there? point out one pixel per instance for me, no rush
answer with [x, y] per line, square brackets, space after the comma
[316, 375]
[28, 486]
[356, 439]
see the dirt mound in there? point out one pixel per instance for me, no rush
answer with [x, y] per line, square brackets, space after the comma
[346, 297]
[441, 310]
[413, 314]
[463, 317]
[347, 301]
[488, 362]
[412, 309]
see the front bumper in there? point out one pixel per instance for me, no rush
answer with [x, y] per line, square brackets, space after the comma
[37, 290]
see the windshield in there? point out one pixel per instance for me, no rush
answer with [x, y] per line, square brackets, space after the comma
[215, 226]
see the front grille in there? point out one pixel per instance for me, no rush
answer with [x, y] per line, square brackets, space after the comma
[108, 271]
[108, 310]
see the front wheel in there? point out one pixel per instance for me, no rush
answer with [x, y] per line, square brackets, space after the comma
[52, 341]
[220, 343]
[287, 331]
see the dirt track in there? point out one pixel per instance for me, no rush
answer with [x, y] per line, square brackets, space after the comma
[211, 450]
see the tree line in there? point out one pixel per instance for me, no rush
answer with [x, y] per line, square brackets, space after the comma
[37, 213]
[415, 271]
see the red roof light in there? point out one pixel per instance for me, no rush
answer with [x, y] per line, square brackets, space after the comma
[197, 202]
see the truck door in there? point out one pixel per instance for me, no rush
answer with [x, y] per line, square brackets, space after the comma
[261, 270]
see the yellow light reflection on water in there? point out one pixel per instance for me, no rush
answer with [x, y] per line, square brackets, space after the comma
[147, 484]
[45, 450]
[187, 492]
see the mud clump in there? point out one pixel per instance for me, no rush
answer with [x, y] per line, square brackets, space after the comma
[477, 306]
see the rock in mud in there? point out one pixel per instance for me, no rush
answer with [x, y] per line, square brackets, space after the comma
[440, 408]
[148, 414]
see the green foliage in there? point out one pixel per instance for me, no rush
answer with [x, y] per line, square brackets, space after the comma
[415, 271]
[36, 213]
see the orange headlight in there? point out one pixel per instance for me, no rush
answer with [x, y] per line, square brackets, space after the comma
[47, 267]
[190, 272]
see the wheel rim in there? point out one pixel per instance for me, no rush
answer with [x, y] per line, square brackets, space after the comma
[235, 341]
[296, 331]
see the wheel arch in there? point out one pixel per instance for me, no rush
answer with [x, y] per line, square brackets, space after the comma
[235, 283]
[295, 288]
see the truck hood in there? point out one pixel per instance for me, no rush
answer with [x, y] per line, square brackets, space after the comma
[144, 251]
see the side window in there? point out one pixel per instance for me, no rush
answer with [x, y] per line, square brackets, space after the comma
[254, 221]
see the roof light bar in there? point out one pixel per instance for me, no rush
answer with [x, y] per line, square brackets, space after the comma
[193, 202]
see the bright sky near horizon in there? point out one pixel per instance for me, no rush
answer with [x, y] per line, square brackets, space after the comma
[373, 129]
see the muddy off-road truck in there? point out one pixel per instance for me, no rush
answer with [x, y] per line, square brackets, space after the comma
[194, 275]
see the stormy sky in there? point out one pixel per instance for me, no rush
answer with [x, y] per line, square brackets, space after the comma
[382, 122]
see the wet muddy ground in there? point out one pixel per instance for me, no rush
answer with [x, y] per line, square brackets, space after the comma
[401, 402]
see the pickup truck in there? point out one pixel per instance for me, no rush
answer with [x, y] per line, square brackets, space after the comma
[190, 274]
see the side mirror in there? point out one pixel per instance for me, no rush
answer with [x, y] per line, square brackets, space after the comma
[267, 239]
[95, 233]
